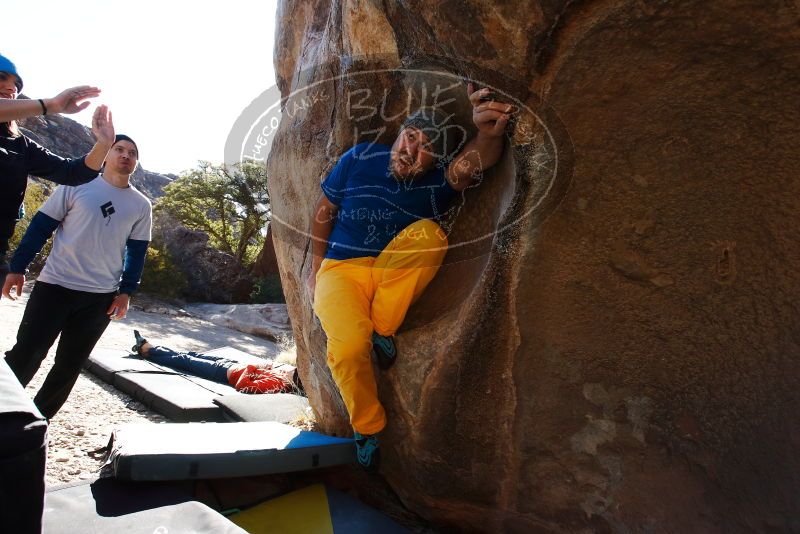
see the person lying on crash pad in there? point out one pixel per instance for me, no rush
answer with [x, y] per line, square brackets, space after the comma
[266, 378]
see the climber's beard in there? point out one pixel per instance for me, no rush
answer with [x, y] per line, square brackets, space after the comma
[404, 171]
[405, 167]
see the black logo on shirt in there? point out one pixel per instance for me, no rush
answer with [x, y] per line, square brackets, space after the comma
[107, 210]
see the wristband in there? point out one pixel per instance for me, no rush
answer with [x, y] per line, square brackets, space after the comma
[44, 108]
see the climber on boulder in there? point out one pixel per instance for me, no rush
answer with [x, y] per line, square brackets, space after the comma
[377, 242]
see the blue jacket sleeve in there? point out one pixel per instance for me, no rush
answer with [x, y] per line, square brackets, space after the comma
[135, 253]
[39, 231]
[43, 163]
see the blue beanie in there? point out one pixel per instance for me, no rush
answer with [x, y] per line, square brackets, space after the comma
[7, 66]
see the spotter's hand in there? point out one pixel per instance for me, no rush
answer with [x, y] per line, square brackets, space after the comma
[72, 100]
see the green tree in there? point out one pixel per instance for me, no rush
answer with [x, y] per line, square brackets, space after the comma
[160, 275]
[229, 203]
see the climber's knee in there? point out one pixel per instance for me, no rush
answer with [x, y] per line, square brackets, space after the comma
[348, 348]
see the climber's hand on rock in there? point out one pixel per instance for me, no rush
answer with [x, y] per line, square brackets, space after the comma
[489, 116]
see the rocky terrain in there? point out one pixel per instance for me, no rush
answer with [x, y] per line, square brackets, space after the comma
[211, 275]
[269, 321]
[612, 344]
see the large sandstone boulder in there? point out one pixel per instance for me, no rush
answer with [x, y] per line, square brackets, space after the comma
[613, 344]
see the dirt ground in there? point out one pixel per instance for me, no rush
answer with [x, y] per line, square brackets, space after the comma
[85, 422]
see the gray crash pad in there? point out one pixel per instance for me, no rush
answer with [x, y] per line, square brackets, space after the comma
[109, 505]
[179, 396]
[211, 450]
[279, 407]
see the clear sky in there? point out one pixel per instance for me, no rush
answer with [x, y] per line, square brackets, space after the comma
[176, 74]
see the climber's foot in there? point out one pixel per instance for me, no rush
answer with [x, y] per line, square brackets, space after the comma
[140, 342]
[368, 453]
[384, 349]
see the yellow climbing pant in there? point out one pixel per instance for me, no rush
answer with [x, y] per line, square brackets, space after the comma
[356, 296]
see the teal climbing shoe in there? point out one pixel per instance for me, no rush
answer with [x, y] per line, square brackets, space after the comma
[384, 349]
[368, 453]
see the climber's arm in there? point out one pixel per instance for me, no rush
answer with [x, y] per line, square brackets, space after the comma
[321, 226]
[483, 151]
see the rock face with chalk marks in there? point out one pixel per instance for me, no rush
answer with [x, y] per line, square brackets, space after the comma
[612, 344]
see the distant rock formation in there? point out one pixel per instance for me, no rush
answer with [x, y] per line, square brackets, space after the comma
[70, 139]
[264, 320]
[211, 275]
[621, 352]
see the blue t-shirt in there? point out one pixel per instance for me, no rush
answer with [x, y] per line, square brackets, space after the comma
[373, 205]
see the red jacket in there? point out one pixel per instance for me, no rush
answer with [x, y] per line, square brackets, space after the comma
[256, 379]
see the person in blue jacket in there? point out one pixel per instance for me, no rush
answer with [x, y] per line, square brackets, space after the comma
[21, 156]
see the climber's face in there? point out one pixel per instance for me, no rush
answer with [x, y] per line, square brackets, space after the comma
[412, 155]
[8, 85]
[122, 157]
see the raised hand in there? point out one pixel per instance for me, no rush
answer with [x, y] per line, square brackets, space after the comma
[103, 125]
[70, 100]
[490, 117]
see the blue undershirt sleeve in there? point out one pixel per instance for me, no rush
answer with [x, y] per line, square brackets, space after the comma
[39, 231]
[135, 253]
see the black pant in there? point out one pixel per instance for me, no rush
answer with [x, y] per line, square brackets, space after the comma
[79, 317]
